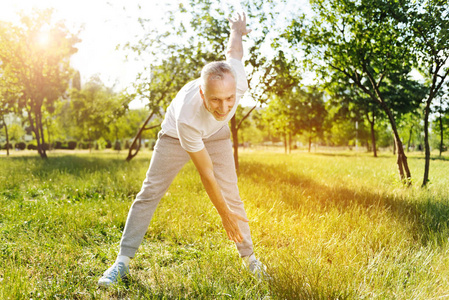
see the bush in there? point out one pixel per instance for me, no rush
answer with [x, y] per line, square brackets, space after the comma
[100, 144]
[117, 146]
[7, 145]
[20, 146]
[31, 147]
[57, 145]
[108, 145]
[83, 145]
[71, 145]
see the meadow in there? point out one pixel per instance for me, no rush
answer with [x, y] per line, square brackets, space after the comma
[327, 225]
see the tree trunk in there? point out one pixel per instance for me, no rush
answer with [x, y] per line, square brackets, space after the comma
[373, 136]
[41, 129]
[235, 138]
[37, 133]
[138, 138]
[394, 146]
[7, 136]
[426, 144]
[310, 143]
[90, 141]
[285, 143]
[441, 135]
[404, 171]
[289, 142]
[410, 138]
[48, 134]
[402, 163]
[235, 141]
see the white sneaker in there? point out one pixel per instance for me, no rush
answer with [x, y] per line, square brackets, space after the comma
[258, 269]
[118, 272]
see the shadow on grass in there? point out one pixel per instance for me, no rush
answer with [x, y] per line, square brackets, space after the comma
[351, 154]
[426, 218]
[339, 154]
[74, 164]
[437, 158]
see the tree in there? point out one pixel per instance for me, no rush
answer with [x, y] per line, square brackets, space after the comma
[126, 126]
[312, 114]
[37, 54]
[9, 95]
[442, 119]
[165, 80]
[362, 41]
[350, 103]
[278, 86]
[94, 108]
[427, 25]
[298, 111]
[410, 125]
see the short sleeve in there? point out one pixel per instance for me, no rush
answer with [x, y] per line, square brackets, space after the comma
[189, 137]
[242, 82]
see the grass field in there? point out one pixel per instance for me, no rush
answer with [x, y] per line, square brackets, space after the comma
[328, 226]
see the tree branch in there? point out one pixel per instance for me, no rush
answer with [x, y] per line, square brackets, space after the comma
[151, 127]
[246, 116]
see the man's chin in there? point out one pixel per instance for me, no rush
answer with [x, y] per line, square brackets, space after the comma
[219, 117]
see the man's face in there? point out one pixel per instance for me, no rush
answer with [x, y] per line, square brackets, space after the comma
[219, 96]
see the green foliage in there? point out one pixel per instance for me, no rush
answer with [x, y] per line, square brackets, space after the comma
[249, 133]
[298, 112]
[9, 90]
[440, 124]
[126, 126]
[16, 132]
[93, 109]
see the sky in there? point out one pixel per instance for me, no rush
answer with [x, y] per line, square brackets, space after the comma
[103, 24]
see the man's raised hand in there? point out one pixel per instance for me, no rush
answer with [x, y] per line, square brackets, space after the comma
[238, 24]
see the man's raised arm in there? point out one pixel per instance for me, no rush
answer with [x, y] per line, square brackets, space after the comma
[238, 30]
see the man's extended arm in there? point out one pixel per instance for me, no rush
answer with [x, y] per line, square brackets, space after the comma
[238, 30]
[203, 163]
[202, 160]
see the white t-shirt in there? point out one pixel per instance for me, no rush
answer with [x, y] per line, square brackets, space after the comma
[189, 121]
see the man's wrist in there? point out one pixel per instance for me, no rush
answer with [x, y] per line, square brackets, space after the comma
[237, 31]
[224, 213]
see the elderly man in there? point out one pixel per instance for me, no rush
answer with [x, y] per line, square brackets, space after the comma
[195, 127]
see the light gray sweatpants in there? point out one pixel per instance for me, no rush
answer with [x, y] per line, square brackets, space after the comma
[167, 160]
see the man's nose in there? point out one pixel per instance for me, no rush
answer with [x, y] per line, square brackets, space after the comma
[222, 107]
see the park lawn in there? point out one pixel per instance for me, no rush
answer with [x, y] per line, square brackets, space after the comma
[327, 225]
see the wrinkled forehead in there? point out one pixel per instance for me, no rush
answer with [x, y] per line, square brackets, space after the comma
[218, 70]
[223, 82]
[224, 77]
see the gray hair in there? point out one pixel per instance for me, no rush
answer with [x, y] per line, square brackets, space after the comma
[216, 71]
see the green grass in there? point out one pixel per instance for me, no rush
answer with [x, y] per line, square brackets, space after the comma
[328, 225]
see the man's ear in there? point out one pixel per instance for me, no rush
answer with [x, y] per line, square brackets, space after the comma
[201, 93]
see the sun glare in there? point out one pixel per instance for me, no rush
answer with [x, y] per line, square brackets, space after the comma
[43, 38]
